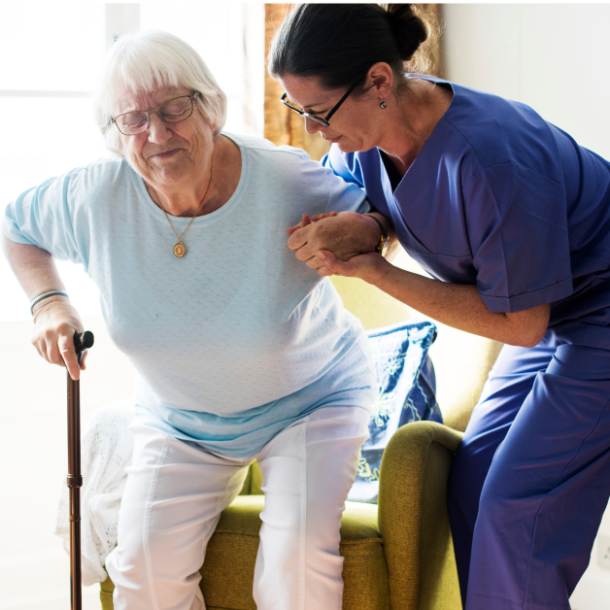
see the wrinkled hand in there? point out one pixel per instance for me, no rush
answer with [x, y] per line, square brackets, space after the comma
[306, 220]
[370, 267]
[346, 235]
[55, 322]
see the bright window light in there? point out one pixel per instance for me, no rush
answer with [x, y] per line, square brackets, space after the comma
[52, 53]
[48, 137]
[50, 46]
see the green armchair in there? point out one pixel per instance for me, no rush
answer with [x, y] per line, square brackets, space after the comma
[397, 555]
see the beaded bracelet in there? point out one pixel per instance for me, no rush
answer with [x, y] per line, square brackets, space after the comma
[45, 295]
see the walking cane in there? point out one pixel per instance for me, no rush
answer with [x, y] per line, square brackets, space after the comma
[75, 479]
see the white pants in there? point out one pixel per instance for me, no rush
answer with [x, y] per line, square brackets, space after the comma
[176, 491]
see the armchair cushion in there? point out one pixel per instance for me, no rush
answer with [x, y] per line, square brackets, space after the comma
[406, 393]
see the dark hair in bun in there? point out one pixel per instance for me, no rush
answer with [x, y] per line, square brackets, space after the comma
[409, 30]
[338, 43]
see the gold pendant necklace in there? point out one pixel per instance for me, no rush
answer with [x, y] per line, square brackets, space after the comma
[180, 249]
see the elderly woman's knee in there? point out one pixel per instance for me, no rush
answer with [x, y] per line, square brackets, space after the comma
[127, 563]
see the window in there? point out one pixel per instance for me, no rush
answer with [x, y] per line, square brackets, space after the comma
[45, 91]
[51, 53]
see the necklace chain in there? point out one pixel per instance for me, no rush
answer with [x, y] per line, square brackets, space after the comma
[180, 248]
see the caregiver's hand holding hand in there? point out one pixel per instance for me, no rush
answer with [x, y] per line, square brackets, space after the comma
[306, 220]
[370, 267]
[346, 234]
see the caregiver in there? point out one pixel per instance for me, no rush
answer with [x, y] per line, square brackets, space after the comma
[513, 218]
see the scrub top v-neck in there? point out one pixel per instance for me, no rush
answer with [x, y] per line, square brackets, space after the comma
[504, 200]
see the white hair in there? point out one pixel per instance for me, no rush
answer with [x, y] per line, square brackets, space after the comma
[145, 61]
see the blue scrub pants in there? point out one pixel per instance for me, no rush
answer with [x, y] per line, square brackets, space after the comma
[531, 480]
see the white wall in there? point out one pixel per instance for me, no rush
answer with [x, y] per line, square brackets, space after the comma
[554, 58]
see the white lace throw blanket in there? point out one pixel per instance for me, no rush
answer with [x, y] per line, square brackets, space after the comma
[106, 450]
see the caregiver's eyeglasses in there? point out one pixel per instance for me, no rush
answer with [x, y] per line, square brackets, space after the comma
[173, 111]
[312, 117]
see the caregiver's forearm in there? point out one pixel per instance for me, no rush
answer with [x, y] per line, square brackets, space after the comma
[461, 307]
[35, 268]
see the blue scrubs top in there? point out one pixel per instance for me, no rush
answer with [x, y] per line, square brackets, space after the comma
[502, 199]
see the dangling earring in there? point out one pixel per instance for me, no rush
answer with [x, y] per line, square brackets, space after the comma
[383, 105]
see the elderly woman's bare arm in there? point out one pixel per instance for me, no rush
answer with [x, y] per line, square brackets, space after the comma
[55, 320]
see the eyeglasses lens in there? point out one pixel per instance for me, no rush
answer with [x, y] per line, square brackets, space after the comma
[132, 122]
[316, 119]
[177, 110]
[173, 111]
[304, 114]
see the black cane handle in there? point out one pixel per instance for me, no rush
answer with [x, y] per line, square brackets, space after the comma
[82, 341]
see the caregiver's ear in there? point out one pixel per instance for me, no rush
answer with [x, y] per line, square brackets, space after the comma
[380, 76]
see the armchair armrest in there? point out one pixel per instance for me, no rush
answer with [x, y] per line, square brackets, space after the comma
[413, 517]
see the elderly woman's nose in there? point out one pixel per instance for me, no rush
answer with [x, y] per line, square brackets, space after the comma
[158, 130]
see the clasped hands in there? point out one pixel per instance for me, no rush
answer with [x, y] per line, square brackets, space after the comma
[338, 244]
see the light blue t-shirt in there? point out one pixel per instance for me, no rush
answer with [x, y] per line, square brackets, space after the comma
[236, 340]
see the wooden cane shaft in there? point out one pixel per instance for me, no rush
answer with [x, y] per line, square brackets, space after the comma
[75, 481]
[76, 591]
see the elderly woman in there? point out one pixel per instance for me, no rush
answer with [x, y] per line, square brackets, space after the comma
[240, 351]
[514, 218]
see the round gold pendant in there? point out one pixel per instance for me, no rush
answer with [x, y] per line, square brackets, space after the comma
[179, 250]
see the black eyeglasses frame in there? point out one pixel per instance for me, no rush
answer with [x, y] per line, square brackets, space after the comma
[318, 119]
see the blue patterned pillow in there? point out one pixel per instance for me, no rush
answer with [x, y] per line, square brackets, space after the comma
[406, 387]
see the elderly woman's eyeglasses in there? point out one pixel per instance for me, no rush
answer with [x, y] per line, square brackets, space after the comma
[173, 111]
[313, 117]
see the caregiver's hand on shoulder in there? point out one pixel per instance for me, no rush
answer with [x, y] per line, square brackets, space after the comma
[55, 322]
[345, 234]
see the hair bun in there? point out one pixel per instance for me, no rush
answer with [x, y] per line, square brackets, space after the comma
[409, 29]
